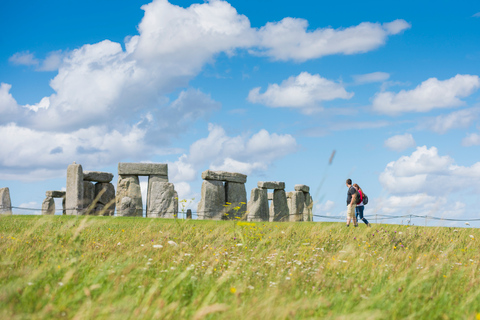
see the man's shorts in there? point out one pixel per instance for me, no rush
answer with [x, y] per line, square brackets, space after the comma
[351, 211]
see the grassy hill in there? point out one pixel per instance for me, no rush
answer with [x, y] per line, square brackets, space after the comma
[120, 268]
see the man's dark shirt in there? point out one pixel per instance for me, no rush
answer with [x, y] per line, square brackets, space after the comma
[351, 191]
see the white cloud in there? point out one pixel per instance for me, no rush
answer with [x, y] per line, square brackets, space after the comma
[304, 91]
[455, 120]
[400, 142]
[430, 94]
[324, 208]
[290, 40]
[24, 58]
[472, 139]
[371, 77]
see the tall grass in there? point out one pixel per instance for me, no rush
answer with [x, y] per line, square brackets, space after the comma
[120, 268]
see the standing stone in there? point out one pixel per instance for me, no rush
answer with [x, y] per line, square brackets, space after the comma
[161, 202]
[74, 195]
[308, 208]
[105, 196]
[211, 205]
[88, 197]
[64, 205]
[5, 201]
[271, 210]
[271, 185]
[258, 205]
[189, 213]
[129, 196]
[296, 205]
[236, 195]
[48, 206]
[280, 206]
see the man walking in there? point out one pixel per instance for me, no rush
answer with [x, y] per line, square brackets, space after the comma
[351, 203]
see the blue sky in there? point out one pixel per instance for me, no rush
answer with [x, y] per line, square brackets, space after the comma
[265, 88]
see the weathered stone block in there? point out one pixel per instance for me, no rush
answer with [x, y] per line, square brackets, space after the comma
[271, 185]
[161, 202]
[5, 201]
[296, 205]
[88, 197]
[236, 195]
[224, 176]
[74, 193]
[48, 206]
[211, 205]
[143, 169]
[97, 176]
[308, 208]
[129, 196]
[302, 187]
[258, 205]
[279, 203]
[55, 194]
[189, 214]
[105, 196]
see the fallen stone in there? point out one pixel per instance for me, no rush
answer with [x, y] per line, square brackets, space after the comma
[129, 196]
[258, 205]
[296, 205]
[211, 205]
[5, 201]
[281, 211]
[224, 176]
[236, 195]
[161, 200]
[271, 185]
[302, 187]
[55, 194]
[143, 169]
[97, 176]
[48, 206]
[74, 193]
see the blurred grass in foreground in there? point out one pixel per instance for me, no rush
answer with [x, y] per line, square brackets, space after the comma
[119, 268]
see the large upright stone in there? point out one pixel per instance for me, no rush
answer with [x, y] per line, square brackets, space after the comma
[74, 194]
[277, 185]
[296, 205]
[161, 202]
[280, 206]
[88, 197]
[105, 196]
[5, 201]
[48, 206]
[97, 176]
[258, 205]
[211, 205]
[224, 176]
[237, 197]
[143, 169]
[129, 196]
[308, 208]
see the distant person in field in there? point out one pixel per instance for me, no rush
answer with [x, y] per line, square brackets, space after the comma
[351, 203]
[360, 207]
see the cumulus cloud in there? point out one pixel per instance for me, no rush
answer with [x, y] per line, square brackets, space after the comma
[400, 142]
[24, 58]
[304, 91]
[430, 94]
[289, 39]
[472, 139]
[456, 120]
[370, 77]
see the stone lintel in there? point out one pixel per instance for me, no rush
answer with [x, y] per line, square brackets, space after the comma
[97, 176]
[271, 185]
[143, 169]
[55, 194]
[302, 187]
[224, 176]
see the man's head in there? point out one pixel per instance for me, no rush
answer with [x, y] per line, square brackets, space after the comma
[349, 182]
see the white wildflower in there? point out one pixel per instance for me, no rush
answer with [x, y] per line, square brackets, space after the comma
[157, 246]
[172, 243]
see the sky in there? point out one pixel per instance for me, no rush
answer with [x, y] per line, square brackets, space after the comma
[271, 89]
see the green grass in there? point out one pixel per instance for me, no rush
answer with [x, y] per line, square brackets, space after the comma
[108, 268]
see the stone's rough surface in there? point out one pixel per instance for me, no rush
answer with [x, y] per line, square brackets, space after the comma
[271, 185]
[105, 196]
[308, 207]
[88, 197]
[74, 193]
[258, 205]
[296, 205]
[143, 169]
[55, 194]
[224, 176]
[97, 176]
[236, 195]
[211, 205]
[280, 206]
[5, 201]
[302, 187]
[129, 196]
[48, 206]
[161, 202]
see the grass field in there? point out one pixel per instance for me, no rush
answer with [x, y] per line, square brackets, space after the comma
[120, 268]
